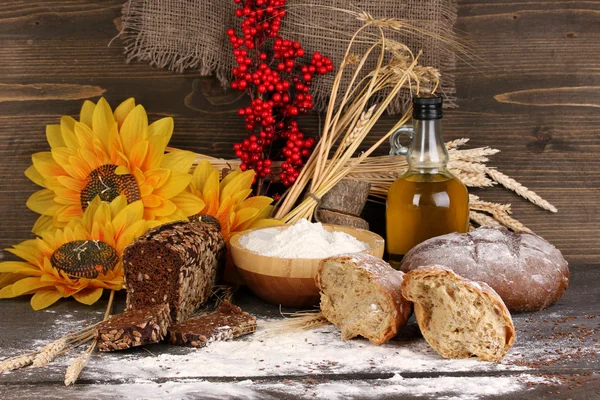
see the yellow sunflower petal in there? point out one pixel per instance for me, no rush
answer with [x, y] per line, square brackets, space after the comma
[8, 279]
[123, 110]
[20, 267]
[29, 285]
[34, 176]
[201, 174]
[70, 183]
[188, 203]
[242, 181]
[134, 129]
[179, 161]
[130, 214]
[156, 151]
[86, 115]
[42, 224]
[42, 202]
[176, 183]
[67, 128]
[163, 127]
[239, 197]
[259, 202]
[266, 223]
[88, 296]
[115, 146]
[117, 205]
[138, 154]
[85, 136]
[229, 177]
[166, 208]
[65, 213]
[152, 201]
[7, 292]
[244, 215]
[46, 165]
[102, 121]
[44, 298]
[54, 136]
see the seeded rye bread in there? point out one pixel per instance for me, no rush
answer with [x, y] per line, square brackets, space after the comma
[525, 270]
[361, 295]
[134, 328]
[458, 317]
[175, 263]
[228, 322]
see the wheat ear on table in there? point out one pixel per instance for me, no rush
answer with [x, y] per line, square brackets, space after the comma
[519, 189]
[76, 367]
[49, 352]
[15, 363]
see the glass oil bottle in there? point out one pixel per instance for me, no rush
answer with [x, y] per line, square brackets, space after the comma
[427, 200]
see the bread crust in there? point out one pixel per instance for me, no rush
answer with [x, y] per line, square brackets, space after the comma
[526, 271]
[386, 279]
[478, 287]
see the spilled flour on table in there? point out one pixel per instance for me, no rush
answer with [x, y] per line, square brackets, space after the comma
[257, 359]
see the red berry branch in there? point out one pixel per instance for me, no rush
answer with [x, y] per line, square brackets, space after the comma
[270, 71]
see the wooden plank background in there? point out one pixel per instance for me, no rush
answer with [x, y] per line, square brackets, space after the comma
[534, 94]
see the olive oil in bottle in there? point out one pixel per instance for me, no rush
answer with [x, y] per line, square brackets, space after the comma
[426, 201]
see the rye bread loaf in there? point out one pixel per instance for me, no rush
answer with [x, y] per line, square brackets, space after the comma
[226, 323]
[175, 263]
[525, 270]
[134, 328]
[458, 317]
[360, 294]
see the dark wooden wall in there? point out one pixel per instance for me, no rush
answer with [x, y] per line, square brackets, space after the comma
[534, 94]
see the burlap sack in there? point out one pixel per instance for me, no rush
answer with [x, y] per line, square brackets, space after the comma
[191, 34]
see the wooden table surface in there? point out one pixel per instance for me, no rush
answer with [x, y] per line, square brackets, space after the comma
[534, 94]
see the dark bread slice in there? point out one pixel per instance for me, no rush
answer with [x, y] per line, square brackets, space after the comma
[459, 318]
[525, 270]
[175, 263]
[228, 322]
[361, 295]
[134, 328]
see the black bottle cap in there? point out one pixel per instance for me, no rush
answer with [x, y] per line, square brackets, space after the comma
[427, 107]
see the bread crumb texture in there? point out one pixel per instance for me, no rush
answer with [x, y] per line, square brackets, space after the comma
[459, 318]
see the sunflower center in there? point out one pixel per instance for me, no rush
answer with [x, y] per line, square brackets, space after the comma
[104, 182]
[84, 258]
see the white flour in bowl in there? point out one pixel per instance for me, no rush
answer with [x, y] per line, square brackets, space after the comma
[301, 240]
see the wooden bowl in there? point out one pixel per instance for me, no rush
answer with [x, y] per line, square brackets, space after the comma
[290, 281]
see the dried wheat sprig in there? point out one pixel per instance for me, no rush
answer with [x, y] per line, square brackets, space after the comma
[453, 144]
[473, 179]
[16, 362]
[510, 222]
[518, 188]
[358, 128]
[49, 352]
[482, 219]
[74, 370]
[481, 205]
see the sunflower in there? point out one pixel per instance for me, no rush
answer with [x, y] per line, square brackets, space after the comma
[80, 260]
[108, 154]
[228, 202]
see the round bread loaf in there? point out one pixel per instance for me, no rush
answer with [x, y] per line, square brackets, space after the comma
[525, 270]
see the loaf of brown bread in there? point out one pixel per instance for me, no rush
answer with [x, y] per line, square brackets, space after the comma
[525, 270]
[134, 328]
[175, 263]
[361, 295]
[458, 317]
[228, 322]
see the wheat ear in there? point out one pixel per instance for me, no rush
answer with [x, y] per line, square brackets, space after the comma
[482, 219]
[16, 363]
[358, 128]
[519, 189]
[49, 352]
[76, 367]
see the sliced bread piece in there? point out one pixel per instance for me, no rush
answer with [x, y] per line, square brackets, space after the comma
[228, 322]
[134, 328]
[458, 317]
[361, 295]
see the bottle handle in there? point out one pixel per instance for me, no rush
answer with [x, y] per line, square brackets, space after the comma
[396, 148]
